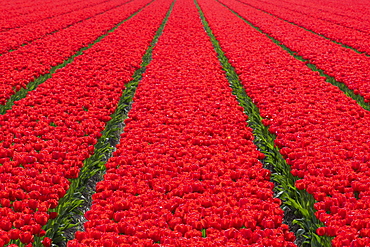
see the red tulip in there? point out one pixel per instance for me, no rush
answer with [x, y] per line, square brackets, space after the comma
[321, 231]
[26, 237]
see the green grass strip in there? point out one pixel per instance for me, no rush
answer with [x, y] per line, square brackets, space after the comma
[358, 98]
[22, 93]
[69, 207]
[293, 199]
[308, 30]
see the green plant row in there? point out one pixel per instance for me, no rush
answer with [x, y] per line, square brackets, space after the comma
[22, 93]
[73, 205]
[298, 201]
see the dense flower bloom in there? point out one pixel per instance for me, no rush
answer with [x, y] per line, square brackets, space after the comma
[23, 65]
[354, 35]
[322, 134]
[344, 64]
[32, 25]
[46, 136]
[186, 172]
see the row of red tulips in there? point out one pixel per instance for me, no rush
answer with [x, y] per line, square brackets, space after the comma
[14, 38]
[25, 7]
[186, 172]
[12, 9]
[46, 136]
[18, 68]
[15, 19]
[357, 10]
[322, 134]
[343, 64]
[348, 36]
[18, 5]
[358, 23]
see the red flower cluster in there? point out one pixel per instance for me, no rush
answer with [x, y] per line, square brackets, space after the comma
[186, 172]
[343, 64]
[21, 16]
[45, 137]
[18, 68]
[12, 9]
[14, 38]
[346, 35]
[323, 135]
[356, 10]
[334, 15]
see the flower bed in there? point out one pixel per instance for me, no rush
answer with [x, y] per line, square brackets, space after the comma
[343, 64]
[46, 136]
[348, 36]
[31, 61]
[15, 38]
[186, 172]
[11, 19]
[357, 22]
[358, 11]
[227, 92]
[322, 134]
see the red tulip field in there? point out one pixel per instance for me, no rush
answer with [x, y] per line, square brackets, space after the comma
[185, 123]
